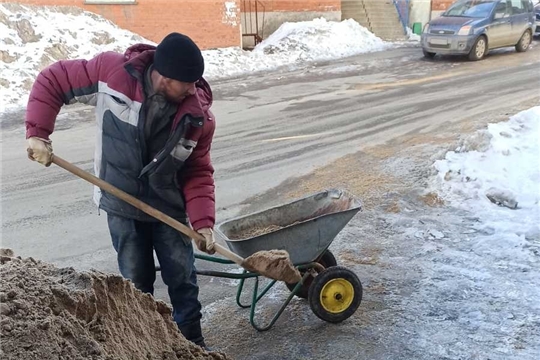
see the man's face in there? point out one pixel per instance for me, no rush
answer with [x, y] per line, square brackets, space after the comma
[175, 91]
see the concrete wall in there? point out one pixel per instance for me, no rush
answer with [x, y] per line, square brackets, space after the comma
[272, 14]
[273, 20]
[293, 5]
[210, 23]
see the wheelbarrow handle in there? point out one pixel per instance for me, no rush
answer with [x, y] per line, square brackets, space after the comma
[142, 206]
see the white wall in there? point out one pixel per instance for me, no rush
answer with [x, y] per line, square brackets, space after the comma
[420, 11]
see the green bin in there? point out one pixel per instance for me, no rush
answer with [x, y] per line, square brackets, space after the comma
[417, 28]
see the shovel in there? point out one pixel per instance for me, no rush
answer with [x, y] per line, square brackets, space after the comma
[274, 264]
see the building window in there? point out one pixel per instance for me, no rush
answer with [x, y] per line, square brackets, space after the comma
[110, 2]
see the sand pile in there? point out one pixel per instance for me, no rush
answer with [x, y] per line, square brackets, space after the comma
[274, 264]
[53, 313]
[255, 231]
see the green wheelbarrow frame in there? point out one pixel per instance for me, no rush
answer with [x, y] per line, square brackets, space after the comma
[256, 296]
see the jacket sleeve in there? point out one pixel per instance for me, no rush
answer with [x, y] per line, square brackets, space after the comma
[64, 82]
[197, 181]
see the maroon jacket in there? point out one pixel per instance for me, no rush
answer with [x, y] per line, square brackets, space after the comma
[179, 181]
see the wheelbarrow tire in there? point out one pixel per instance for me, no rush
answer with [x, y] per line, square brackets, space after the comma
[335, 294]
[327, 259]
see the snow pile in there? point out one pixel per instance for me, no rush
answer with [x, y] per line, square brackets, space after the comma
[483, 289]
[412, 36]
[501, 185]
[294, 44]
[33, 37]
[320, 40]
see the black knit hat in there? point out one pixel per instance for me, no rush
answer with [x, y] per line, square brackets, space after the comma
[178, 57]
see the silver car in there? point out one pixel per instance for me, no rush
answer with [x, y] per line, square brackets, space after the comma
[537, 12]
[473, 27]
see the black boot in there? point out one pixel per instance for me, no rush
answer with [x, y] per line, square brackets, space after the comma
[193, 333]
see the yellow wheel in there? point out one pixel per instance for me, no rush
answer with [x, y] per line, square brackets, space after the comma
[327, 259]
[335, 294]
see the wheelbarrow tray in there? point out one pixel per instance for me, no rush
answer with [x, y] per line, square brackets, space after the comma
[307, 226]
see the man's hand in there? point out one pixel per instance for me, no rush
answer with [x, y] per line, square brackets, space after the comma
[40, 150]
[208, 244]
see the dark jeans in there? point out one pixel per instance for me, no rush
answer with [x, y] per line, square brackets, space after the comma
[134, 242]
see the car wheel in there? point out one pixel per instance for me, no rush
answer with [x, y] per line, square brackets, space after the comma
[524, 42]
[479, 49]
[429, 55]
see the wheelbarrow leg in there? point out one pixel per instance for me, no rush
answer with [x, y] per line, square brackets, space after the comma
[256, 299]
[259, 296]
[240, 290]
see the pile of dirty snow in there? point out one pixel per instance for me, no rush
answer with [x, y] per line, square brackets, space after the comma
[52, 313]
[33, 37]
[412, 36]
[293, 45]
[483, 286]
[320, 39]
[499, 181]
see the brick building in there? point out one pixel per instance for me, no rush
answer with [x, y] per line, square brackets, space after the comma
[211, 23]
[441, 5]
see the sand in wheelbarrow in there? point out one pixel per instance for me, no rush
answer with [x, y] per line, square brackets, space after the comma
[257, 231]
[274, 264]
[254, 231]
[59, 313]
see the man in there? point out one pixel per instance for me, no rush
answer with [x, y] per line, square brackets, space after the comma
[155, 130]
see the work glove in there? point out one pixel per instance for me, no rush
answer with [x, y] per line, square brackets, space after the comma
[40, 150]
[206, 245]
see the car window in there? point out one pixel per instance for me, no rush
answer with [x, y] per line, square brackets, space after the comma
[503, 8]
[471, 8]
[517, 7]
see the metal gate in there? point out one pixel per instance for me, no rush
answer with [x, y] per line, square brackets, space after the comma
[253, 12]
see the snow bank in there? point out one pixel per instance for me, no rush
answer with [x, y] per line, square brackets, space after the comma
[34, 37]
[500, 184]
[320, 40]
[294, 44]
[412, 36]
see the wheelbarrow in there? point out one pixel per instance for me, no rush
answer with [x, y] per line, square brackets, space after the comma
[304, 228]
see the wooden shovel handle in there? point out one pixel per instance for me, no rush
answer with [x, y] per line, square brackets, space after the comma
[142, 206]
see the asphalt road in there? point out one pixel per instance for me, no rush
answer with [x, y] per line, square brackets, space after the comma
[271, 127]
